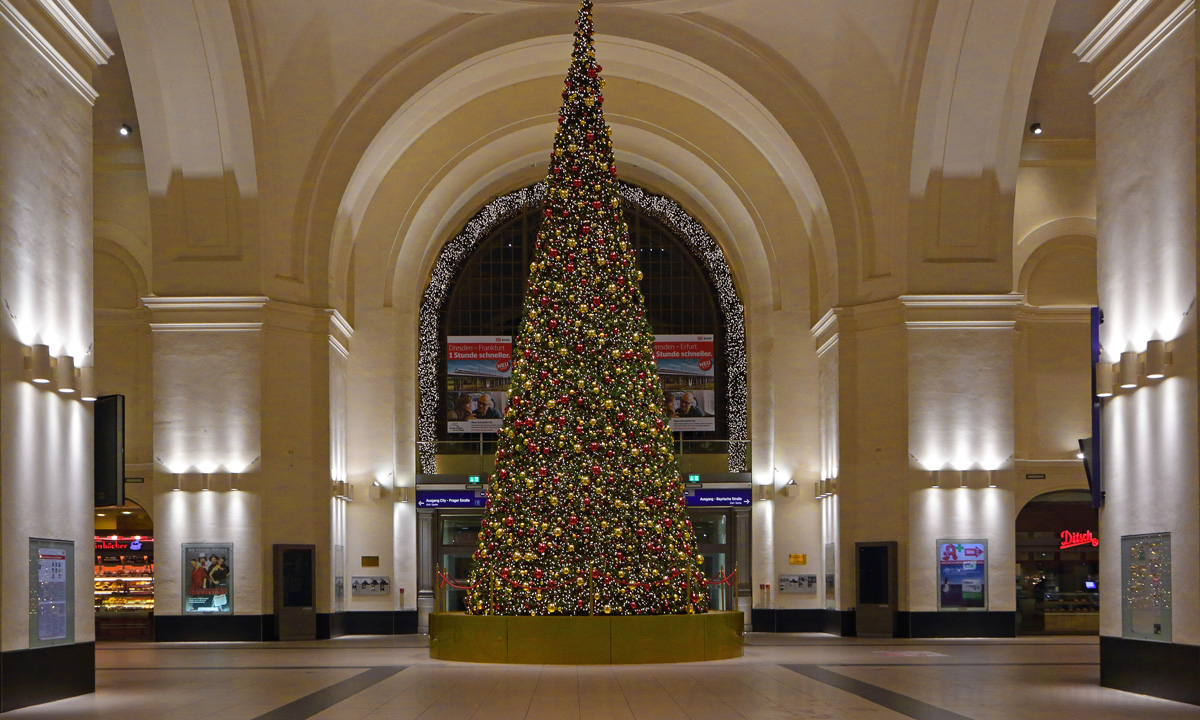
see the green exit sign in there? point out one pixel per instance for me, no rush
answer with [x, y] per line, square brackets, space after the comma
[693, 478]
[472, 479]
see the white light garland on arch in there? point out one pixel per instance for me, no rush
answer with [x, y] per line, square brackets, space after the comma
[669, 213]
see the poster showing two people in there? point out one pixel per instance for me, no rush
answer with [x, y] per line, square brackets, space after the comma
[962, 574]
[479, 375]
[208, 578]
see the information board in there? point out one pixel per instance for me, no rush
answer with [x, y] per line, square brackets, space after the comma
[1146, 587]
[51, 592]
[962, 574]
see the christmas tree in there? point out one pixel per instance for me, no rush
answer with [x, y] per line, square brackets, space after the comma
[586, 512]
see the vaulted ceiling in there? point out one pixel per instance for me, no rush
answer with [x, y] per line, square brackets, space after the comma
[875, 141]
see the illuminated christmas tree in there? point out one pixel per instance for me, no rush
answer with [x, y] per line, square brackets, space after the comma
[586, 512]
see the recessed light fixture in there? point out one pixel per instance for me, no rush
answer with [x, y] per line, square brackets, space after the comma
[126, 512]
[125, 130]
[1036, 128]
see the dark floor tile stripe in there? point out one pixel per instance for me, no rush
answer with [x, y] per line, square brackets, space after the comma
[321, 700]
[237, 668]
[894, 701]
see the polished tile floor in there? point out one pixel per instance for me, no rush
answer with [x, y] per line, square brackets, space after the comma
[781, 676]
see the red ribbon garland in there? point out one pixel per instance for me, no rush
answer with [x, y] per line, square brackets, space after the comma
[444, 580]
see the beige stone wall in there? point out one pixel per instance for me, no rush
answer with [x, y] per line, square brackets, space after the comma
[1146, 170]
[45, 277]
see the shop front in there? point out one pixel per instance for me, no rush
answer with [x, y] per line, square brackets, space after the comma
[1058, 556]
[124, 573]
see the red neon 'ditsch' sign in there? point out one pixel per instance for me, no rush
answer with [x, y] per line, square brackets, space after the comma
[1074, 539]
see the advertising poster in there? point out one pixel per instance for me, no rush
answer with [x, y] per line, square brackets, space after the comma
[370, 585]
[478, 374]
[208, 578]
[1146, 587]
[686, 369]
[962, 574]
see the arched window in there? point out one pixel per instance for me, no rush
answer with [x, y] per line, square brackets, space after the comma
[479, 285]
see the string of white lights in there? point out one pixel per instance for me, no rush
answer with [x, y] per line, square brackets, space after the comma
[456, 252]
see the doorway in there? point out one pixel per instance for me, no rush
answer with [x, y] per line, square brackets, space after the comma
[123, 583]
[1058, 556]
[876, 571]
[295, 585]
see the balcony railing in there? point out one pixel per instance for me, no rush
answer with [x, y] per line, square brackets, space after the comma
[478, 456]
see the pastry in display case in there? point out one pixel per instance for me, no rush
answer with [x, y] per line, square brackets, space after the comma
[124, 586]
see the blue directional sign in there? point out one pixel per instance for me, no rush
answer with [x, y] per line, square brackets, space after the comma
[718, 497]
[451, 498]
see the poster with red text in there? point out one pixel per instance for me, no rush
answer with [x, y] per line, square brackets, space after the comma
[686, 368]
[478, 374]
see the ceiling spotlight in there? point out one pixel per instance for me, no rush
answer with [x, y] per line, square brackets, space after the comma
[1036, 128]
[125, 130]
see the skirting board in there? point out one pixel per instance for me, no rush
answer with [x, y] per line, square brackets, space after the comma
[1166, 670]
[39, 675]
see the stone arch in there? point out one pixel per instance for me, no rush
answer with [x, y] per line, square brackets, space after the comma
[1052, 274]
[121, 260]
[454, 253]
[342, 190]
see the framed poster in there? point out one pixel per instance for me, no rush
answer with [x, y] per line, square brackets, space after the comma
[1146, 587]
[962, 574]
[208, 578]
[51, 592]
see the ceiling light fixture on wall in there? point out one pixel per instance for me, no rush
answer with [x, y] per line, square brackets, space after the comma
[1129, 369]
[1036, 128]
[40, 363]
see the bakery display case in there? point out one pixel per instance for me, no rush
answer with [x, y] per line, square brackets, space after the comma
[124, 587]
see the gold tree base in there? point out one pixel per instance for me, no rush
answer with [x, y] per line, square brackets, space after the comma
[585, 640]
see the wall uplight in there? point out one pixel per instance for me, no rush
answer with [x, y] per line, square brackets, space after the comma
[1129, 369]
[1104, 379]
[1157, 359]
[87, 383]
[40, 356]
[64, 374]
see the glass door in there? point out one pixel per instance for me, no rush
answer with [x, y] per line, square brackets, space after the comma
[457, 539]
[713, 532]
